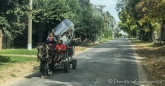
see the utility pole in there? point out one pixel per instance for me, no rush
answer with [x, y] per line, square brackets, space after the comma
[29, 46]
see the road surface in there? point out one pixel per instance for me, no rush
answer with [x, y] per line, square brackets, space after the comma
[108, 64]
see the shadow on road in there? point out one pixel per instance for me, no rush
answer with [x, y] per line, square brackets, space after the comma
[37, 73]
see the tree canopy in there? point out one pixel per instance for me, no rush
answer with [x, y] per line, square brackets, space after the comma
[141, 17]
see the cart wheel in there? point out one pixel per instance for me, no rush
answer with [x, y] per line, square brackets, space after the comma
[66, 67]
[74, 64]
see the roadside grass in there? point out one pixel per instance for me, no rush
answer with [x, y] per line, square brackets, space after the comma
[146, 43]
[19, 51]
[134, 40]
[105, 40]
[8, 61]
[90, 45]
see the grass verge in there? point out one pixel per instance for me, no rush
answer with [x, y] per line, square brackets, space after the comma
[19, 51]
[146, 43]
[133, 40]
[8, 61]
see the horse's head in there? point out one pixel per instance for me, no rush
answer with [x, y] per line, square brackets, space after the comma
[41, 49]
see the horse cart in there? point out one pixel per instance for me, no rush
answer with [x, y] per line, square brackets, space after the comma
[63, 31]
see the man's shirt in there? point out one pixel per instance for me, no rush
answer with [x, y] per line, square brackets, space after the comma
[60, 47]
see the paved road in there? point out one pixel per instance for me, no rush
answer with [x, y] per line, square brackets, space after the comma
[111, 62]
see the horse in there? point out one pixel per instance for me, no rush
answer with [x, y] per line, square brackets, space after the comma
[44, 58]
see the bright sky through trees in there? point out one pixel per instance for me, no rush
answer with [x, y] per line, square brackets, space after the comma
[110, 6]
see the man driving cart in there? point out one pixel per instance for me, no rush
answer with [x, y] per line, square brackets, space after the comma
[60, 49]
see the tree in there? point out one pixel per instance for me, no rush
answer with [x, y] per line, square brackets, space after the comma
[152, 11]
[13, 15]
[89, 22]
[134, 19]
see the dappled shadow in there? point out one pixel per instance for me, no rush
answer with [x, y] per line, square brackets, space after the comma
[156, 45]
[137, 41]
[4, 59]
[153, 61]
[155, 52]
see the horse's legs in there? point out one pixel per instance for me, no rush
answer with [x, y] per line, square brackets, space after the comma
[41, 66]
[51, 64]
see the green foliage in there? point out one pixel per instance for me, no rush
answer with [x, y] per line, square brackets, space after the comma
[134, 20]
[13, 16]
[49, 10]
[104, 40]
[89, 20]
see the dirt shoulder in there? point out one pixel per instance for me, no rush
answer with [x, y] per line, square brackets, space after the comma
[152, 60]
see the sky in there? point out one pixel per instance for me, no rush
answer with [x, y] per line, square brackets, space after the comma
[110, 6]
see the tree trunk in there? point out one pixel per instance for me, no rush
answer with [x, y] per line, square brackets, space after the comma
[160, 36]
[150, 33]
[163, 28]
[162, 31]
[6, 42]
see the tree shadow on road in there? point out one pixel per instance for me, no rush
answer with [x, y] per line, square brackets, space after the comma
[37, 73]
